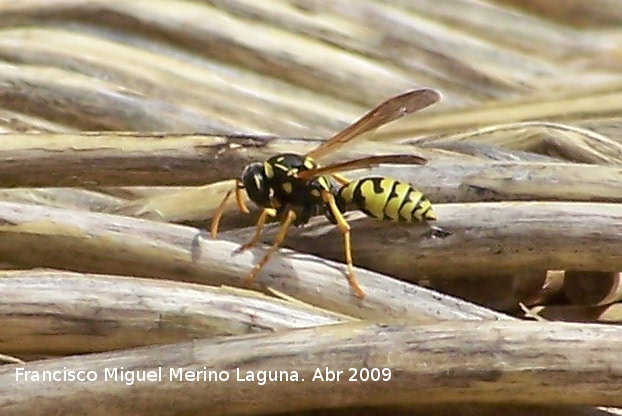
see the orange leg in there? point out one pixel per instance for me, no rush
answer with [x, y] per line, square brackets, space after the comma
[280, 237]
[261, 222]
[221, 207]
[344, 228]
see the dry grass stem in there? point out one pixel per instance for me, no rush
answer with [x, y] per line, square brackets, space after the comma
[134, 158]
[487, 239]
[452, 362]
[120, 120]
[558, 140]
[52, 312]
[110, 244]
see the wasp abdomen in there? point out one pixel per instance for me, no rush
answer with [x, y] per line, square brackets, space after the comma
[386, 199]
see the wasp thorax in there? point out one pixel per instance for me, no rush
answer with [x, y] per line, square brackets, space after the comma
[255, 184]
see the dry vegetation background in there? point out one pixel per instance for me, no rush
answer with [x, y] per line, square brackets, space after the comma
[124, 121]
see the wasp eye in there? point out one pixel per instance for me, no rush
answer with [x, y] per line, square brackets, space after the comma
[254, 180]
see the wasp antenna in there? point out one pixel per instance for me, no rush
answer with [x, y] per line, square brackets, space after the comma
[218, 214]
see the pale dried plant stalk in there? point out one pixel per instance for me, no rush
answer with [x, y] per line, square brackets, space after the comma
[485, 239]
[51, 312]
[215, 94]
[560, 140]
[451, 362]
[99, 159]
[111, 244]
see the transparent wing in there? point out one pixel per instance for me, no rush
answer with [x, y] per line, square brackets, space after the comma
[364, 162]
[385, 112]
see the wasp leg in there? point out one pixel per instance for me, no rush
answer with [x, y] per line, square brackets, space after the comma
[342, 180]
[261, 222]
[280, 237]
[221, 207]
[344, 228]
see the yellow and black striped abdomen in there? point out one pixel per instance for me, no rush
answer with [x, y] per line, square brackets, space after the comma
[386, 199]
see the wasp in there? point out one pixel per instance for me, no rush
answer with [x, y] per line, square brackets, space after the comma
[292, 187]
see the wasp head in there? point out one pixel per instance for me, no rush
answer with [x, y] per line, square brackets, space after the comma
[256, 184]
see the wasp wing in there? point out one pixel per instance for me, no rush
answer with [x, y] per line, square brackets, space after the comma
[362, 163]
[385, 112]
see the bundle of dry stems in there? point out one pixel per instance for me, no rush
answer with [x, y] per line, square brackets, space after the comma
[124, 123]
